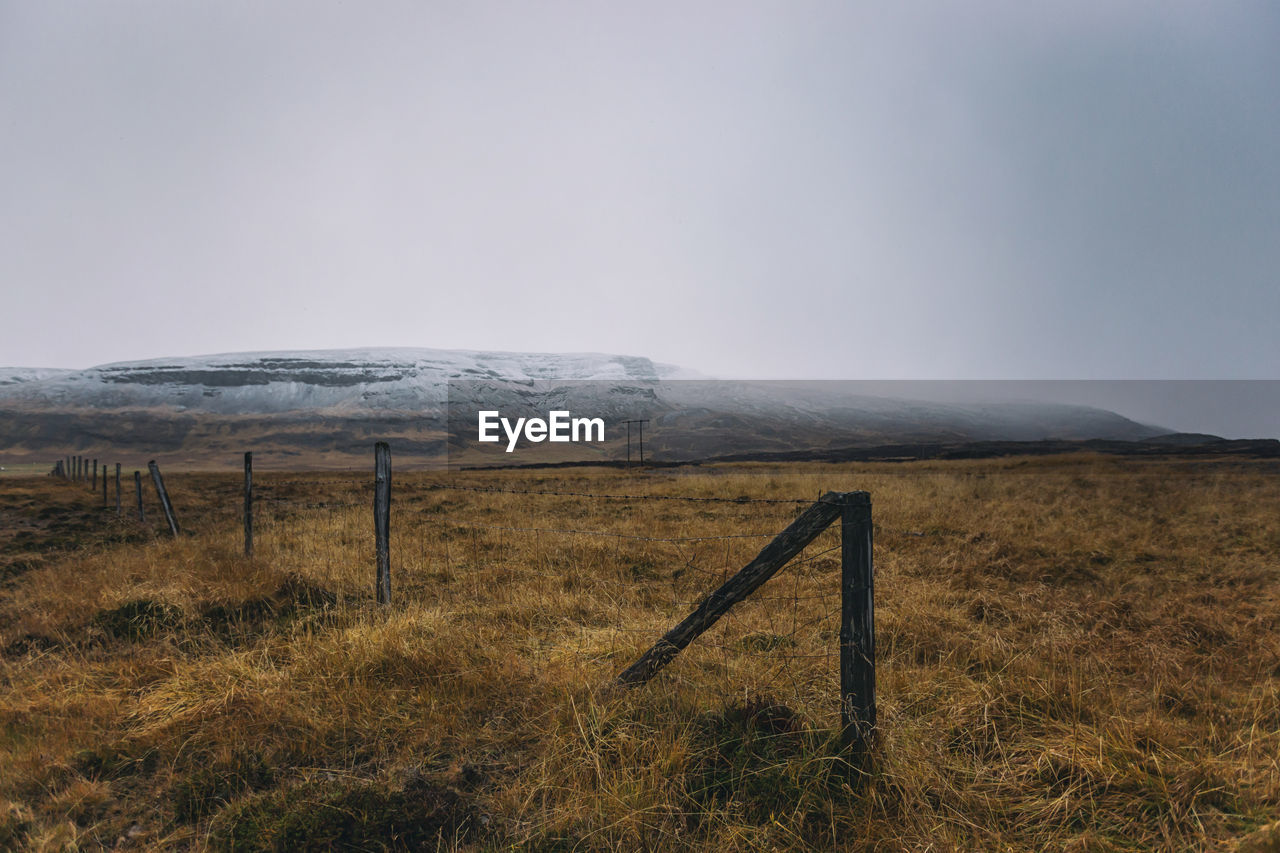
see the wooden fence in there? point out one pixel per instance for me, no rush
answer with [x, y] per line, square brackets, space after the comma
[857, 699]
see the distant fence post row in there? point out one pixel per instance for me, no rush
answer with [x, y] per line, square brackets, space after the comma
[857, 599]
[79, 469]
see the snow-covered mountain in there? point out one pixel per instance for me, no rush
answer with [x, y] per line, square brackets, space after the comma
[350, 381]
[329, 403]
[19, 375]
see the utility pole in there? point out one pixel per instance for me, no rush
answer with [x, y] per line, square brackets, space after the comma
[640, 425]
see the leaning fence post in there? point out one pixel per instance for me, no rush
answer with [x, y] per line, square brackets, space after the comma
[771, 558]
[117, 488]
[382, 518]
[137, 485]
[857, 625]
[163, 495]
[248, 504]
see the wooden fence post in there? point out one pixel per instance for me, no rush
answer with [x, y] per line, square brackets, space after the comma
[104, 483]
[94, 487]
[163, 495]
[382, 518]
[857, 626]
[774, 556]
[137, 485]
[248, 504]
[118, 488]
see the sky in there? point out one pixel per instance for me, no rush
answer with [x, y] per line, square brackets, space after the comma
[920, 190]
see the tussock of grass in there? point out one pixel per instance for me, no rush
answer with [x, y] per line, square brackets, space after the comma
[1075, 653]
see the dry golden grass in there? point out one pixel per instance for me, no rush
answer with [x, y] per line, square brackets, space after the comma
[1076, 653]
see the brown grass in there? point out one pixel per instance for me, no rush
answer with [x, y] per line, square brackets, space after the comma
[1075, 653]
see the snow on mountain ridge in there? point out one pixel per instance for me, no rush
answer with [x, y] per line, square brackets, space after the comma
[346, 380]
[17, 375]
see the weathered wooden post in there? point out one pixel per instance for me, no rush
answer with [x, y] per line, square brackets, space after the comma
[104, 483]
[118, 488]
[382, 518]
[771, 558]
[94, 487]
[857, 624]
[163, 495]
[137, 485]
[248, 504]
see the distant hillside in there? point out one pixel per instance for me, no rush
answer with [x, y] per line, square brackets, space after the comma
[325, 408]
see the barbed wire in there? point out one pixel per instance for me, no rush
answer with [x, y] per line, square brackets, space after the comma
[743, 499]
[603, 496]
[605, 533]
[789, 623]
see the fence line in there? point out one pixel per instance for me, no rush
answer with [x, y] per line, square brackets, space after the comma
[692, 498]
[786, 617]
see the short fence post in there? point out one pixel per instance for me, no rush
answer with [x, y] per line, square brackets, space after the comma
[382, 518]
[857, 626]
[248, 504]
[118, 488]
[137, 485]
[94, 487]
[163, 495]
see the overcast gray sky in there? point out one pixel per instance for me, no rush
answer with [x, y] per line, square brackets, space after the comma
[801, 190]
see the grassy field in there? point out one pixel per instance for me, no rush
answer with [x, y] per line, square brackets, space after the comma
[1074, 653]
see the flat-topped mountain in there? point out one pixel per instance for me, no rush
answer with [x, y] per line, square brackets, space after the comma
[325, 407]
[354, 381]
